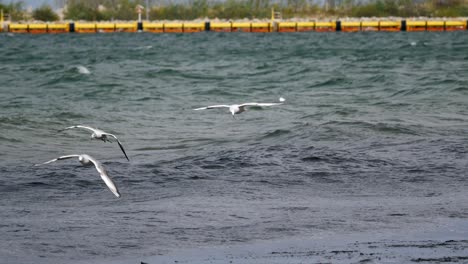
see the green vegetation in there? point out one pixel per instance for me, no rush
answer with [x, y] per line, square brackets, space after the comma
[91, 10]
[14, 10]
[233, 9]
[123, 10]
[83, 10]
[45, 13]
[406, 8]
[237, 9]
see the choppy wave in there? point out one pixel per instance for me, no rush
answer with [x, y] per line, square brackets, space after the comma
[83, 70]
[372, 125]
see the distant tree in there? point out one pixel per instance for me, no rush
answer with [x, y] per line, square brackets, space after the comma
[120, 9]
[45, 13]
[297, 5]
[368, 10]
[238, 9]
[446, 3]
[15, 10]
[406, 8]
[297, 8]
[199, 8]
[391, 7]
[83, 10]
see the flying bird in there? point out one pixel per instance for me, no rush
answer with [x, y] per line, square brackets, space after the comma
[99, 134]
[239, 108]
[88, 160]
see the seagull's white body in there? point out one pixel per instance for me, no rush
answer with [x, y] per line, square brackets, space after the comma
[239, 108]
[100, 134]
[88, 160]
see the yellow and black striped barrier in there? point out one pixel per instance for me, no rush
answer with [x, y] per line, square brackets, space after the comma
[243, 26]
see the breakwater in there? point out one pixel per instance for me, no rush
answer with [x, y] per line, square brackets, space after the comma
[243, 26]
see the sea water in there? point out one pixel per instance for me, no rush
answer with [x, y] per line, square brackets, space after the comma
[372, 136]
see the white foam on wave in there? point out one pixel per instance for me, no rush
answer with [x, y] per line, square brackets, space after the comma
[144, 47]
[83, 69]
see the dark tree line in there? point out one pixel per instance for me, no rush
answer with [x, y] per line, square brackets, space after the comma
[14, 10]
[105, 10]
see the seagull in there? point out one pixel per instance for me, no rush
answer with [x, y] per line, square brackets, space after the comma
[99, 134]
[239, 108]
[87, 160]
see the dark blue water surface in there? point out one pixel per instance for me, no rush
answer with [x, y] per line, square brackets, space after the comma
[373, 136]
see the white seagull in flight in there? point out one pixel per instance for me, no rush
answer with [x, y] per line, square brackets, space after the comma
[239, 108]
[87, 160]
[99, 134]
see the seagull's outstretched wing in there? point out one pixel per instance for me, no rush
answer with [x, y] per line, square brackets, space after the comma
[80, 126]
[259, 104]
[212, 106]
[105, 177]
[120, 145]
[59, 158]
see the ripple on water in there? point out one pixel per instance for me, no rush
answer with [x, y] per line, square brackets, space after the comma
[370, 120]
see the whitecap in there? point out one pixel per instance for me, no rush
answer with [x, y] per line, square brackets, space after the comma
[144, 47]
[83, 69]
